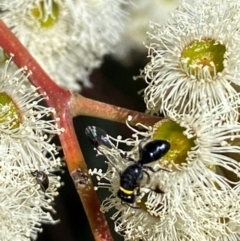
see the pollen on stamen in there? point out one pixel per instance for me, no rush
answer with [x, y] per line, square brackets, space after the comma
[129, 118]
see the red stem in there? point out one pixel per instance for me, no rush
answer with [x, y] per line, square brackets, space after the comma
[83, 106]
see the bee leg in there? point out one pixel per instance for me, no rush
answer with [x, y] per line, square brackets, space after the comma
[138, 192]
[133, 206]
[148, 176]
[152, 170]
[128, 158]
[157, 190]
[130, 205]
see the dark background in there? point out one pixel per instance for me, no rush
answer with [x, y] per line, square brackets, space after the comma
[113, 84]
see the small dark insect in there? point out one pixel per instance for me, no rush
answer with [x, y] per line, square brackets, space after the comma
[131, 177]
[42, 179]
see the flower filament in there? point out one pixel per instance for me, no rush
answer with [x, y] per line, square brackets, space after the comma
[9, 112]
[45, 17]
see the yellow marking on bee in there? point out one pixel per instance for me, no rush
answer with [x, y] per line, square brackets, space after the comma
[128, 192]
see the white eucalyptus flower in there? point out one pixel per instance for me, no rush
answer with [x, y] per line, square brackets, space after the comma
[194, 57]
[28, 159]
[198, 199]
[68, 38]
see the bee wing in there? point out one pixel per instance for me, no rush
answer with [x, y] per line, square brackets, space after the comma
[97, 136]
[99, 139]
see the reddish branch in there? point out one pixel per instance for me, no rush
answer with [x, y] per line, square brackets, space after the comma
[67, 106]
[88, 107]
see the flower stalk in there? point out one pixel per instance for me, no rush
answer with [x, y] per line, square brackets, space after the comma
[83, 106]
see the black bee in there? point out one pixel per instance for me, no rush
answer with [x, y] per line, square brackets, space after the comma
[42, 179]
[131, 177]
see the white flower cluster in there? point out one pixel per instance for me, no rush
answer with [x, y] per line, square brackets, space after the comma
[197, 200]
[68, 38]
[28, 160]
[196, 88]
[181, 81]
